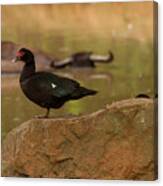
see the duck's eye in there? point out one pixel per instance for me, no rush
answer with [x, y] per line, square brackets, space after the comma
[20, 54]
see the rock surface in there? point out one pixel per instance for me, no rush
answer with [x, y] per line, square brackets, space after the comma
[117, 142]
[8, 52]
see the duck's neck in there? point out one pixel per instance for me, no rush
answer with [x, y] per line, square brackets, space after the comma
[28, 70]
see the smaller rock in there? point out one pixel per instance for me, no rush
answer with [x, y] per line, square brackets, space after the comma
[8, 51]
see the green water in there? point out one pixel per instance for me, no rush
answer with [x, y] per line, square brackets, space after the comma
[130, 73]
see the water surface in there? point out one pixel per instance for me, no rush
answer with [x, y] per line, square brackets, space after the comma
[131, 73]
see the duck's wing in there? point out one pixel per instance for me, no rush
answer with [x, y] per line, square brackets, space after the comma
[48, 84]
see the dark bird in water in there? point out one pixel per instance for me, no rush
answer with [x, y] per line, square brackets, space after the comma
[142, 96]
[83, 59]
[46, 89]
[146, 96]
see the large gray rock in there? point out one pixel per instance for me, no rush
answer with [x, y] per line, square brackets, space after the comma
[117, 142]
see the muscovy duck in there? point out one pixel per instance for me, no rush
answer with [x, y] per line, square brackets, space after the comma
[46, 89]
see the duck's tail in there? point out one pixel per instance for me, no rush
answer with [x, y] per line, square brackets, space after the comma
[82, 92]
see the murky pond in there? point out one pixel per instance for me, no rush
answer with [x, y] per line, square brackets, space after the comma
[131, 73]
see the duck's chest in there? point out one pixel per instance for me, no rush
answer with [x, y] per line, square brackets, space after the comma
[33, 94]
[38, 94]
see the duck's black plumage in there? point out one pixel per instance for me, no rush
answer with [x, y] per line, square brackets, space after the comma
[46, 89]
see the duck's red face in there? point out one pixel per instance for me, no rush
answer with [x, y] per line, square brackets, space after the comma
[24, 55]
[20, 54]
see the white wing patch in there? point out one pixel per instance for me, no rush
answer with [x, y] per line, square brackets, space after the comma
[53, 85]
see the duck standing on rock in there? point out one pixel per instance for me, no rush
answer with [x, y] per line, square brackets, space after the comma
[46, 89]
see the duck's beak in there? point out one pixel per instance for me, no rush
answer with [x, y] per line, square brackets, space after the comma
[16, 59]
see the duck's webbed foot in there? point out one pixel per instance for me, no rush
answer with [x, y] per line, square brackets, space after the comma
[43, 116]
[40, 117]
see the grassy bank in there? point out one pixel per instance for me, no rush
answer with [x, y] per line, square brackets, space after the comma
[37, 24]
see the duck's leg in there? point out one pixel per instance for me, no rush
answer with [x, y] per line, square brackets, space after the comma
[47, 113]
